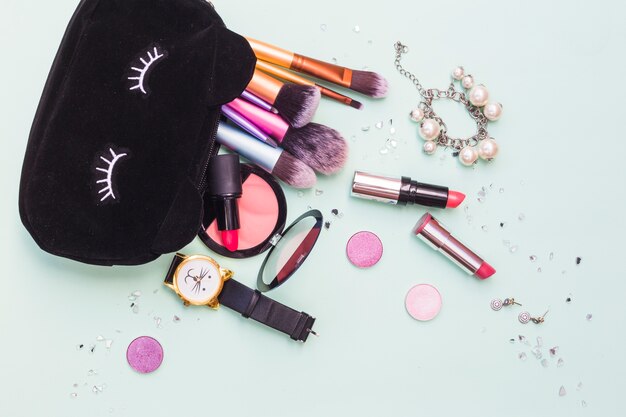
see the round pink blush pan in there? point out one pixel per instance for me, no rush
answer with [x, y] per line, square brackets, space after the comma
[144, 354]
[423, 302]
[364, 249]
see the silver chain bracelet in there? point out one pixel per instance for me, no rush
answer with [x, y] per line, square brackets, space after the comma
[435, 131]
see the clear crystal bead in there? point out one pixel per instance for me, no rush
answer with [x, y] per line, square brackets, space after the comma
[136, 309]
[551, 256]
[501, 190]
[583, 404]
[562, 391]
[532, 258]
[539, 341]
[108, 343]
[384, 151]
[379, 125]
[73, 394]
[365, 128]
[513, 249]
[579, 386]
[560, 362]
[539, 269]
[136, 293]
[100, 338]
[589, 316]
[323, 27]
[91, 372]
[522, 356]
[544, 363]
[484, 227]
[537, 353]
[319, 192]
[176, 319]
[356, 29]
[521, 217]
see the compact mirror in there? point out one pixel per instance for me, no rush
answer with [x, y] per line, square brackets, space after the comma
[289, 250]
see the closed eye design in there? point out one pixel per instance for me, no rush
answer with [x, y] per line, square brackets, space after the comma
[153, 56]
[108, 171]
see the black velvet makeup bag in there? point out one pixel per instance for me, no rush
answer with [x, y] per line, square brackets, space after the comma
[115, 162]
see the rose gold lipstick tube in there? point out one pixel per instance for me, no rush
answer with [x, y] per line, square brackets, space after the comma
[429, 230]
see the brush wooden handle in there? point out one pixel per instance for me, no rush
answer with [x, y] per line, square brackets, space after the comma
[282, 73]
[271, 53]
[264, 86]
[323, 70]
[296, 79]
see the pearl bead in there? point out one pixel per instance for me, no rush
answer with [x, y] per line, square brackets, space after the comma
[467, 82]
[417, 115]
[493, 111]
[479, 95]
[468, 155]
[488, 149]
[458, 73]
[429, 130]
[430, 147]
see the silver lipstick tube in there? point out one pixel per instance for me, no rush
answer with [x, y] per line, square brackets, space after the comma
[374, 187]
[437, 237]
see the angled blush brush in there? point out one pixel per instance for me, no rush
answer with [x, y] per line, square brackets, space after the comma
[296, 103]
[296, 79]
[365, 82]
[276, 161]
[319, 146]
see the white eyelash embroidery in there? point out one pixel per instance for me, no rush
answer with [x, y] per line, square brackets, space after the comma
[107, 181]
[143, 71]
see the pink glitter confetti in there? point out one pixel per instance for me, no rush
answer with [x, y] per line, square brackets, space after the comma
[144, 354]
[364, 249]
[423, 302]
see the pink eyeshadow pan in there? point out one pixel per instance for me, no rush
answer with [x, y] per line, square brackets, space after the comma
[423, 302]
[258, 214]
[144, 354]
[364, 249]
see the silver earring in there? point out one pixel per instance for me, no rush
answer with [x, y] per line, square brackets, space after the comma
[524, 317]
[497, 304]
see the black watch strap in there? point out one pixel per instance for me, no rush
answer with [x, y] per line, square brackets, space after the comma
[252, 304]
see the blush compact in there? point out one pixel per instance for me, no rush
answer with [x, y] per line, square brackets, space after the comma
[262, 218]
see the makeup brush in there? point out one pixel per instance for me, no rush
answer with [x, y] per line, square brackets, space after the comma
[296, 103]
[319, 146]
[365, 82]
[296, 79]
[248, 96]
[276, 161]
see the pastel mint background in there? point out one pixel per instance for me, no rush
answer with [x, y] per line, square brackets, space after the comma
[557, 67]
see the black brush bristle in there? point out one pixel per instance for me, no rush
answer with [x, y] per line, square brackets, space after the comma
[297, 103]
[318, 146]
[294, 172]
[369, 83]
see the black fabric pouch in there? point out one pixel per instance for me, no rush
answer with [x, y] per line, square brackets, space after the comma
[125, 128]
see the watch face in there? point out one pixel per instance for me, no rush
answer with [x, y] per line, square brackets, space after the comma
[198, 280]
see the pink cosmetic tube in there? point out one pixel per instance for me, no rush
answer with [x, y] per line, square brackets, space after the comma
[437, 237]
[270, 123]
